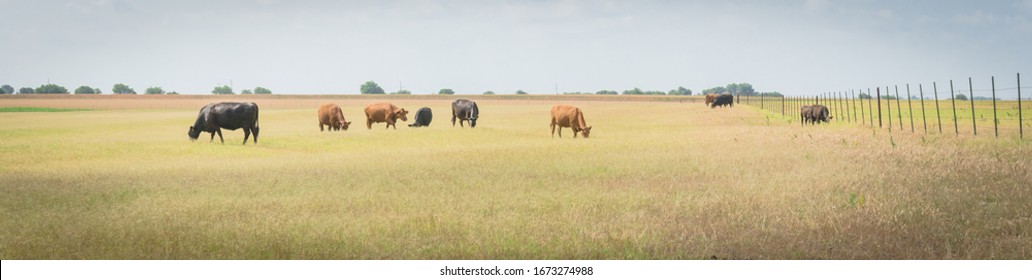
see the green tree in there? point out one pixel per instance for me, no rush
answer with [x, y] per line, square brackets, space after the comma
[680, 91]
[261, 90]
[246, 91]
[446, 91]
[222, 90]
[7, 89]
[521, 92]
[716, 90]
[51, 89]
[635, 91]
[959, 97]
[371, 87]
[606, 92]
[864, 96]
[97, 91]
[85, 90]
[172, 92]
[402, 91]
[489, 93]
[154, 90]
[122, 89]
[26, 90]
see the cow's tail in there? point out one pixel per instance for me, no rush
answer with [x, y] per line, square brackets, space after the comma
[254, 130]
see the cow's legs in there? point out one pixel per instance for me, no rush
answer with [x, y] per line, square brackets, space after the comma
[212, 137]
[575, 131]
[552, 126]
[247, 132]
[320, 126]
[369, 123]
[219, 130]
[453, 119]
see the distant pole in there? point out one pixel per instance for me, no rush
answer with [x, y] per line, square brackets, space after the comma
[971, 93]
[853, 95]
[782, 104]
[899, 109]
[910, 107]
[556, 88]
[924, 118]
[871, 106]
[863, 119]
[953, 100]
[888, 105]
[1021, 127]
[879, 107]
[938, 113]
[996, 125]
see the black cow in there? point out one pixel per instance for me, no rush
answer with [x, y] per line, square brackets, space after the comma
[819, 113]
[229, 115]
[423, 117]
[465, 110]
[814, 114]
[724, 99]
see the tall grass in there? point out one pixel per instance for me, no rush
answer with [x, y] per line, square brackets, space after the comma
[654, 181]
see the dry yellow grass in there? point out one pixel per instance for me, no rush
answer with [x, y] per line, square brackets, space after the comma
[657, 180]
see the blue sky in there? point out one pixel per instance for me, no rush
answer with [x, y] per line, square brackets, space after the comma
[794, 47]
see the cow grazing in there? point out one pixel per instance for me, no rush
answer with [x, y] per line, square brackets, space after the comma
[722, 100]
[569, 116]
[331, 116]
[814, 114]
[229, 115]
[423, 117]
[465, 110]
[710, 97]
[819, 113]
[384, 112]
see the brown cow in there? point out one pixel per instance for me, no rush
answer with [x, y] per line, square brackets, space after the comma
[384, 112]
[710, 97]
[569, 116]
[331, 116]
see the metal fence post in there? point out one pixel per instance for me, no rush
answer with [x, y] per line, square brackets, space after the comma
[1021, 126]
[971, 92]
[910, 107]
[924, 117]
[938, 113]
[888, 105]
[879, 107]
[870, 107]
[899, 109]
[996, 125]
[853, 95]
[953, 100]
[863, 119]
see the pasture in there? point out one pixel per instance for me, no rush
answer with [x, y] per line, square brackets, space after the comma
[656, 180]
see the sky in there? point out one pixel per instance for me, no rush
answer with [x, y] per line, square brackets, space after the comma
[797, 48]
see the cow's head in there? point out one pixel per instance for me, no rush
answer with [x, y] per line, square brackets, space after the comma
[401, 114]
[193, 133]
[344, 124]
[586, 131]
[473, 121]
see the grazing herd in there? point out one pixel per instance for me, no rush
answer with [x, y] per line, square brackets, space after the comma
[235, 115]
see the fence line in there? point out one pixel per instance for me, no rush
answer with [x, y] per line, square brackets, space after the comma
[843, 104]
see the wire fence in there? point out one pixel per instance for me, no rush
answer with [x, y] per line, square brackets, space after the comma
[918, 109]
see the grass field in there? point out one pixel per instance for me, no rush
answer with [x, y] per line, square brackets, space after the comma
[656, 180]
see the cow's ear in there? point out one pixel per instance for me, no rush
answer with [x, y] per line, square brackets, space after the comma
[349, 123]
[191, 127]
